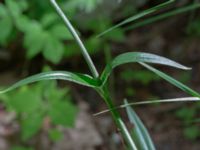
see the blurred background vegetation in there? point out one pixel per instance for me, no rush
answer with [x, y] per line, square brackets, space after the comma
[33, 39]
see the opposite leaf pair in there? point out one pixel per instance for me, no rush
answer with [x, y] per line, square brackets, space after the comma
[89, 81]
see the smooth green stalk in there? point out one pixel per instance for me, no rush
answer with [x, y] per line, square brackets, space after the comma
[108, 60]
[102, 91]
[116, 116]
[76, 37]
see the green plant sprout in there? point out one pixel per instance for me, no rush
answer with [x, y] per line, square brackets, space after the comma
[141, 139]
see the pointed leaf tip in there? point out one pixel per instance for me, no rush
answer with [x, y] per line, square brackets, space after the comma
[130, 57]
[139, 57]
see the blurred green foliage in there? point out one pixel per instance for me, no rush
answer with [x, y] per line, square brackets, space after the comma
[87, 6]
[188, 115]
[43, 32]
[194, 28]
[21, 148]
[32, 104]
[55, 135]
[142, 76]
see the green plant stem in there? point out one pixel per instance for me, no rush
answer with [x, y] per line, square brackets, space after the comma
[108, 60]
[116, 116]
[77, 39]
[103, 90]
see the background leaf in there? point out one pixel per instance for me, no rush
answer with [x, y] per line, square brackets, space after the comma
[53, 49]
[30, 125]
[62, 113]
[52, 103]
[137, 16]
[5, 24]
[34, 40]
[55, 135]
[163, 16]
[58, 32]
[21, 148]
[20, 104]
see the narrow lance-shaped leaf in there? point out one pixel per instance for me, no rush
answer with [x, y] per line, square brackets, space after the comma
[82, 79]
[131, 57]
[76, 38]
[142, 136]
[138, 16]
[173, 100]
[172, 80]
[163, 16]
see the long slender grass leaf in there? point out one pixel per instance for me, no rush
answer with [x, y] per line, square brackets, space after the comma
[59, 75]
[131, 57]
[173, 100]
[141, 133]
[172, 80]
[163, 16]
[138, 16]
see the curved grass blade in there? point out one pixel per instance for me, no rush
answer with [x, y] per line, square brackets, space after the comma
[81, 79]
[163, 16]
[172, 80]
[173, 100]
[138, 16]
[140, 131]
[131, 57]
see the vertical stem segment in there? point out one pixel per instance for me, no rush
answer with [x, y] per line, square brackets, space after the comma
[116, 116]
[103, 91]
[76, 37]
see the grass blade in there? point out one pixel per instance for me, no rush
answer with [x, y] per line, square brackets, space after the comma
[164, 15]
[138, 16]
[173, 100]
[131, 57]
[142, 134]
[53, 75]
[171, 80]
